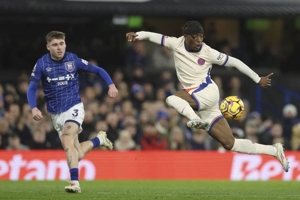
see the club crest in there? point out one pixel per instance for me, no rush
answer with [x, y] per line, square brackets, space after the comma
[201, 61]
[70, 66]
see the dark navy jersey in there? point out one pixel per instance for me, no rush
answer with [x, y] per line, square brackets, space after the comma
[60, 80]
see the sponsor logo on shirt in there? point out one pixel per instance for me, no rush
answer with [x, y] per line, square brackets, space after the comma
[70, 66]
[201, 61]
[48, 69]
[62, 80]
[221, 55]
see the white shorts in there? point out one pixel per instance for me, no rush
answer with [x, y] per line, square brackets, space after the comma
[207, 98]
[74, 114]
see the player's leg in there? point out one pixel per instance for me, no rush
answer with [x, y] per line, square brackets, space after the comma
[67, 138]
[84, 147]
[221, 131]
[183, 102]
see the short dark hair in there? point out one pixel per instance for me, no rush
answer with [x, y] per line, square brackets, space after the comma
[55, 35]
[192, 26]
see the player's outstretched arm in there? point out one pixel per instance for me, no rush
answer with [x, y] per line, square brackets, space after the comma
[144, 35]
[36, 113]
[242, 67]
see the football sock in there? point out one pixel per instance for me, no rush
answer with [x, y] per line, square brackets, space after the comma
[74, 174]
[182, 106]
[248, 147]
[96, 142]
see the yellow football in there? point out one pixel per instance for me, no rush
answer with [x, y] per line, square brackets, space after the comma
[232, 107]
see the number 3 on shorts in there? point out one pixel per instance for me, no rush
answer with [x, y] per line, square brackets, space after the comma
[75, 112]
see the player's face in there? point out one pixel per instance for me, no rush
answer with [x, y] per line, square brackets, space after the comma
[193, 42]
[57, 48]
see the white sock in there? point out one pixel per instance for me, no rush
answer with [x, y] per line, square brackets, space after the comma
[75, 182]
[248, 147]
[182, 106]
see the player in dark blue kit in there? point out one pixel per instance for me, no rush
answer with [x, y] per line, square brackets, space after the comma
[58, 71]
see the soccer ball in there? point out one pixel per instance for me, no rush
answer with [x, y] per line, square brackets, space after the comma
[232, 107]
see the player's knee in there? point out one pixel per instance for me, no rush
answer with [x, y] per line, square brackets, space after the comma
[66, 140]
[169, 100]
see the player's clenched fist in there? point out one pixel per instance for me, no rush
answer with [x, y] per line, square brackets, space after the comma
[131, 36]
[36, 114]
[112, 91]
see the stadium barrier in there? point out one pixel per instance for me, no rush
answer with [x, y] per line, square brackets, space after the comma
[135, 165]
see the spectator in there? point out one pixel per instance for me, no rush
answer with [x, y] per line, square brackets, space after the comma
[101, 126]
[174, 117]
[113, 126]
[130, 124]
[137, 56]
[295, 141]
[235, 87]
[167, 83]
[14, 143]
[177, 140]
[290, 113]
[88, 125]
[4, 131]
[151, 140]
[22, 87]
[162, 123]
[124, 142]
[198, 140]
[123, 90]
[39, 140]
[118, 78]
[277, 135]
[162, 58]
[138, 96]
[149, 91]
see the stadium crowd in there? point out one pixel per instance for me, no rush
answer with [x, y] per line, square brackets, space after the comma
[138, 119]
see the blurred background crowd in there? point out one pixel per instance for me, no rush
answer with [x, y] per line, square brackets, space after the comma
[139, 119]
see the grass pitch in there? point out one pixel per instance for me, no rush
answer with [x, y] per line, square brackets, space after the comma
[142, 190]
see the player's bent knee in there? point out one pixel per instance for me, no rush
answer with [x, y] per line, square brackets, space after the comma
[169, 100]
[66, 140]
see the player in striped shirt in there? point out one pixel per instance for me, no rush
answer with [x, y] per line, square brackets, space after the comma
[199, 100]
[58, 72]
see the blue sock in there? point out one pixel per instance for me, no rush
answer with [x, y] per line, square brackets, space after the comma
[96, 142]
[74, 174]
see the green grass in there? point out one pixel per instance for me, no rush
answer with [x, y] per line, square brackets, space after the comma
[131, 190]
